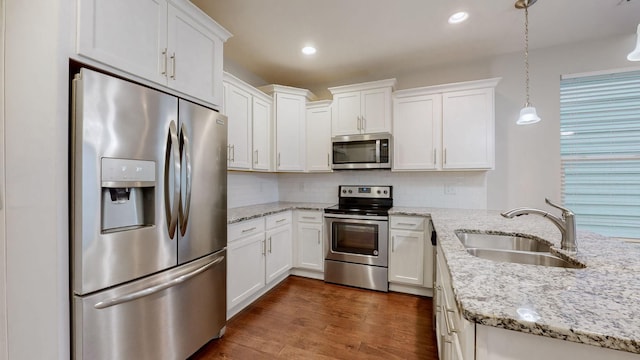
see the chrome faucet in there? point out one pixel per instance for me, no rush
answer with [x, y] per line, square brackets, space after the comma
[566, 224]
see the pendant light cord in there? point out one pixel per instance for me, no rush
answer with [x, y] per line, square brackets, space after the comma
[526, 48]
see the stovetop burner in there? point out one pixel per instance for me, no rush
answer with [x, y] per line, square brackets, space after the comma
[363, 200]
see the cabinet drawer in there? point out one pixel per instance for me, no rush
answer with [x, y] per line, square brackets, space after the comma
[245, 228]
[278, 219]
[407, 222]
[309, 216]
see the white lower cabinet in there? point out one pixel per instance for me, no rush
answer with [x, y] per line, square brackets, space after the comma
[278, 247]
[410, 254]
[309, 240]
[259, 254]
[246, 260]
[455, 335]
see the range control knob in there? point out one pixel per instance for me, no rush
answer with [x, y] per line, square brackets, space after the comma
[350, 191]
[385, 192]
[344, 191]
[378, 191]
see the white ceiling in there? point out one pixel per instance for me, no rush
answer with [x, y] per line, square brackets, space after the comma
[379, 38]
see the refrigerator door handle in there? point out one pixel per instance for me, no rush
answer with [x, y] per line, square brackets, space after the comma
[185, 150]
[154, 289]
[171, 210]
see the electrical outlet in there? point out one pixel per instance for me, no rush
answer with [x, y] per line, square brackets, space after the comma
[449, 189]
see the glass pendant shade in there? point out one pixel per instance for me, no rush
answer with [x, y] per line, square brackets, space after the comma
[635, 54]
[528, 116]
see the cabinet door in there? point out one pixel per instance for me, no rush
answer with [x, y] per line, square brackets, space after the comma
[468, 129]
[416, 132]
[346, 114]
[319, 139]
[261, 134]
[406, 257]
[290, 132]
[245, 268]
[195, 58]
[238, 110]
[310, 254]
[375, 110]
[278, 250]
[130, 35]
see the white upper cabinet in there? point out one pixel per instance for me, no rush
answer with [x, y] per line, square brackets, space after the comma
[249, 131]
[362, 108]
[238, 108]
[468, 134]
[319, 136]
[171, 43]
[290, 113]
[416, 131]
[445, 127]
[261, 134]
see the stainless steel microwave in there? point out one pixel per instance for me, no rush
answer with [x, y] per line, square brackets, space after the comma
[370, 151]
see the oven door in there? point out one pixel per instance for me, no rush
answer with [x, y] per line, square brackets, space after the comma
[357, 239]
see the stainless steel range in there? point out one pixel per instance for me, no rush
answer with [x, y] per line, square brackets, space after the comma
[358, 236]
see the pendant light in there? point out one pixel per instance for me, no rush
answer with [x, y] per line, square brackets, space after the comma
[635, 54]
[528, 113]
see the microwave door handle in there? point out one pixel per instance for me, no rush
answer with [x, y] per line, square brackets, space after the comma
[377, 151]
[185, 151]
[172, 154]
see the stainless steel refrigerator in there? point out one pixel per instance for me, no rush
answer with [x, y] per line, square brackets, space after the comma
[148, 221]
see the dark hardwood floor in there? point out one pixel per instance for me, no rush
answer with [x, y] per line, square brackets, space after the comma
[309, 319]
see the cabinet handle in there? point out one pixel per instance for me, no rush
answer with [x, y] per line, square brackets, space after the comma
[434, 156]
[173, 66]
[247, 230]
[450, 327]
[328, 160]
[269, 244]
[233, 149]
[318, 237]
[278, 159]
[393, 238]
[445, 156]
[358, 123]
[264, 247]
[364, 124]
[407, 224]
[308, 217]
[256, 160]
[164, 55]
[281, 220]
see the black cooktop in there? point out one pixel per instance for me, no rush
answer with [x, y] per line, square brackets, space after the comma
[363, 200]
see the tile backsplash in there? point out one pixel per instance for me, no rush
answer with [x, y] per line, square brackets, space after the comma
[425, 189]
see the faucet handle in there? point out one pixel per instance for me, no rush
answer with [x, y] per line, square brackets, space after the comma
[564, 210]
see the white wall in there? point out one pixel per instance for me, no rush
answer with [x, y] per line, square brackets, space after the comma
[38, 38]
[3, 259]
[431, 189]
[244, 188]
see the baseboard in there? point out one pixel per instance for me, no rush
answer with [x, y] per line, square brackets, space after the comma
[313, 274]
[410, 289]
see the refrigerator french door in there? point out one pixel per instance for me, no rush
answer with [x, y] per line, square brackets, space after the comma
[148, 217]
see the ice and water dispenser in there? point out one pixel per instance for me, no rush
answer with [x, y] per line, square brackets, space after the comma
[128, 188]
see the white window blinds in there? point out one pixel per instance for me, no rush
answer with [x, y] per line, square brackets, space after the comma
[600, 152]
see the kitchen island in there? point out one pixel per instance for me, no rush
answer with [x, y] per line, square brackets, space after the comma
[597, 305]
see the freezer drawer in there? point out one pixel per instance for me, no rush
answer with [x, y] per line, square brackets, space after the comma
[169, 315]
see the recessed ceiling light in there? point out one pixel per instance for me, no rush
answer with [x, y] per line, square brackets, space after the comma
[458, 17]
[308, 50]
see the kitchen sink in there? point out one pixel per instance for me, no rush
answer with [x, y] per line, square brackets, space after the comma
[501, 242]
[523, 257]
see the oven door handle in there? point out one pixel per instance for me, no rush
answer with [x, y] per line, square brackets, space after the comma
[356, 217]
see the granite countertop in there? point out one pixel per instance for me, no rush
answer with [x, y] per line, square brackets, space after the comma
[238, 214]
[597, 305]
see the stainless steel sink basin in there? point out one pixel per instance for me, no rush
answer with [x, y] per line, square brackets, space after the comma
[522, 257]
[503, 242]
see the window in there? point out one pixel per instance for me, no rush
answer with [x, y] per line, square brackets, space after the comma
[600, 151]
